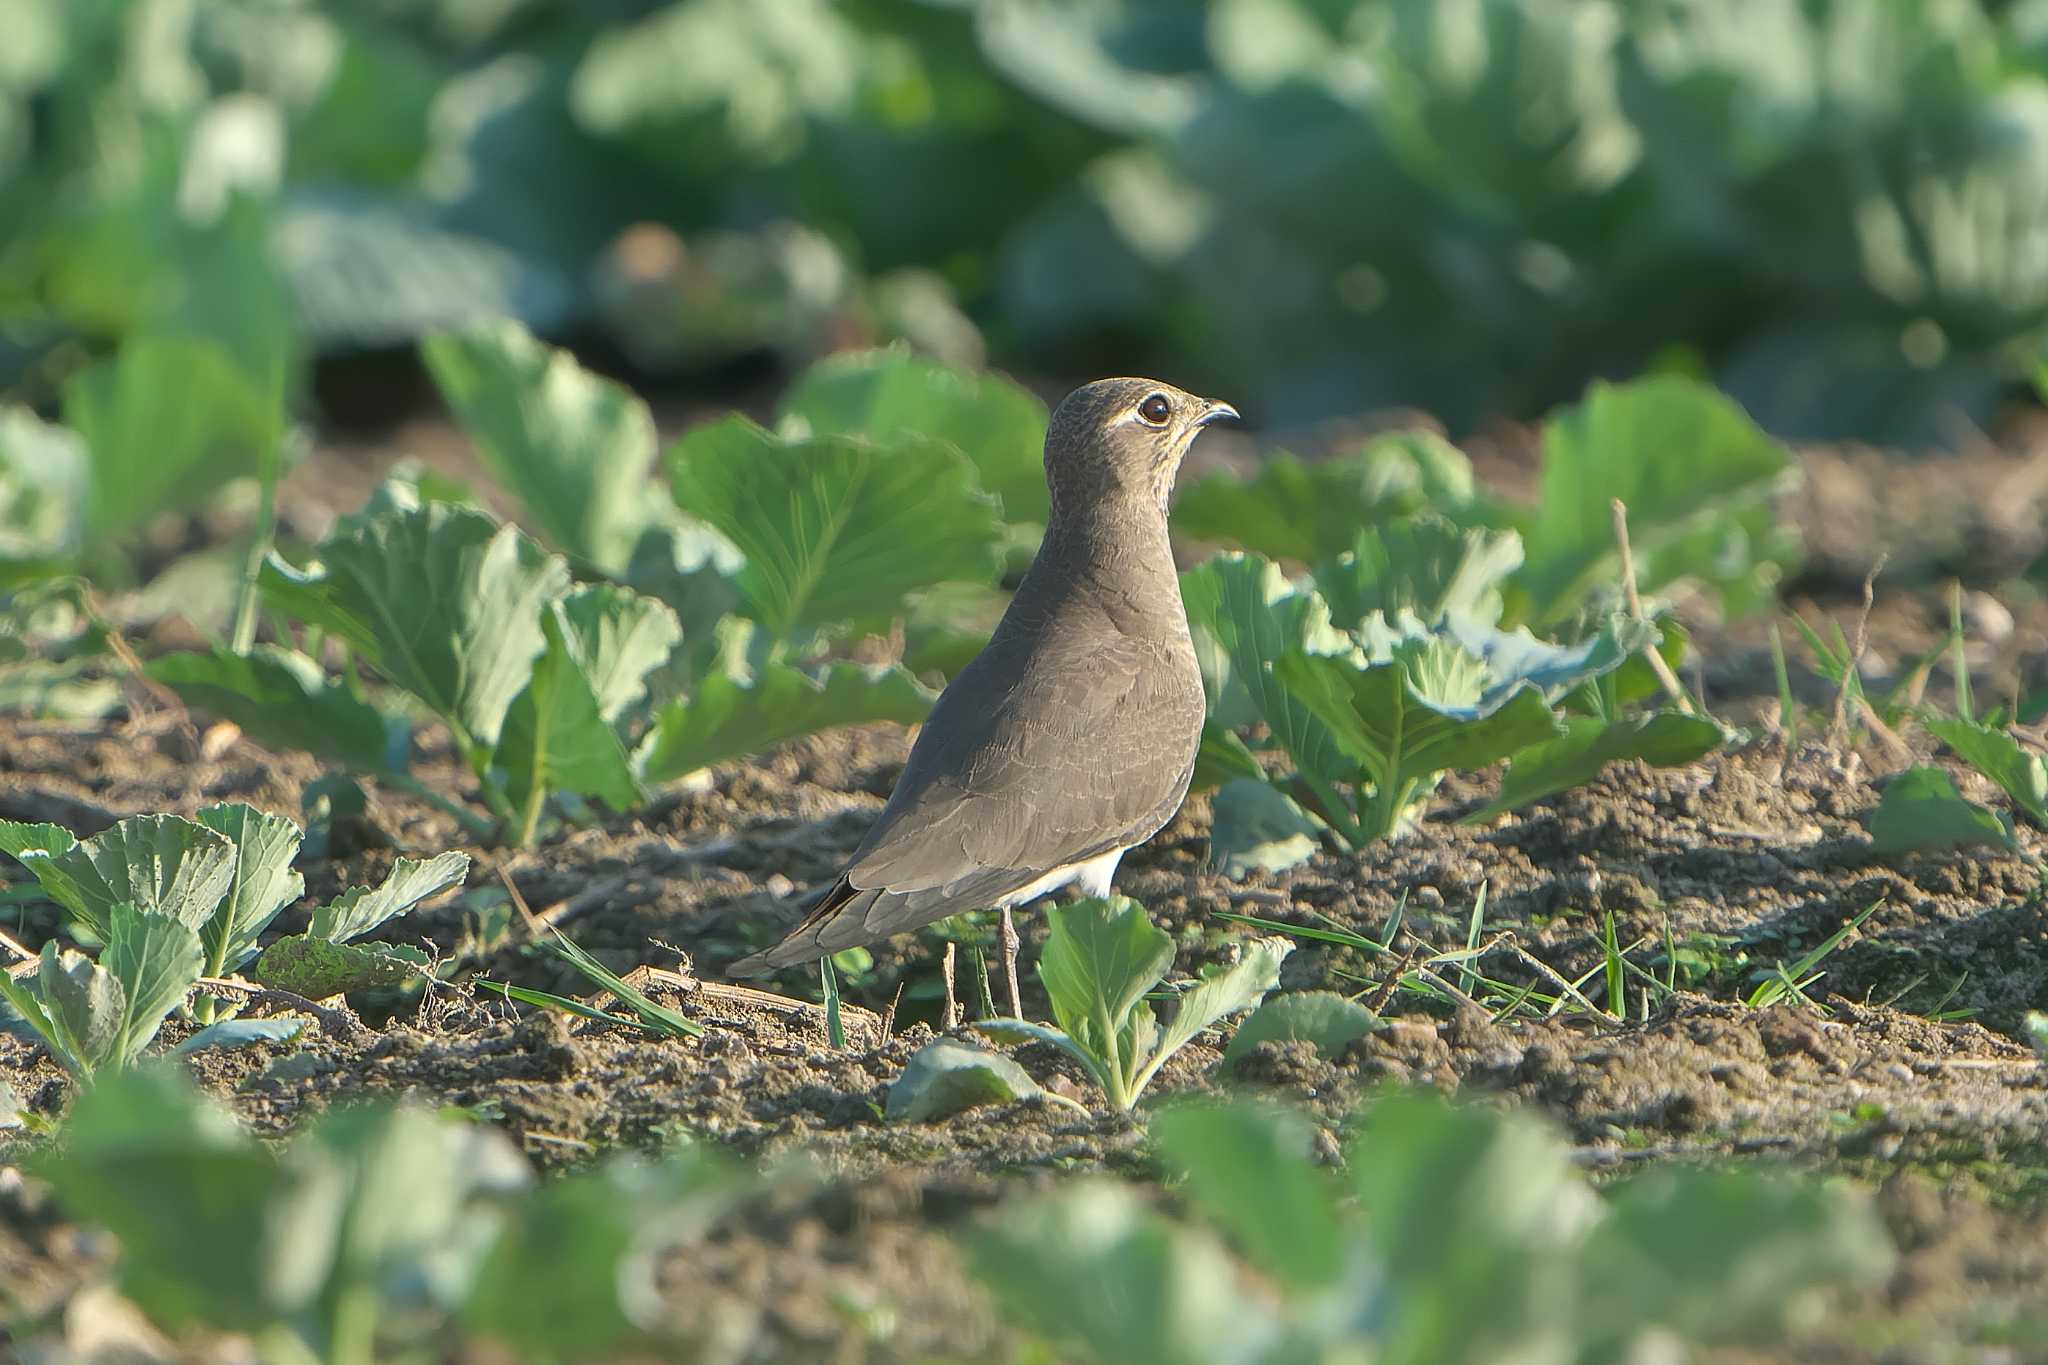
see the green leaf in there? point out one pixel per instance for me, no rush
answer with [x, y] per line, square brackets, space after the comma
[1244, 615]
[1424, 565]
[947, 1077]
[238, 1033]
[75, 1005]
[283, 700]
[264, 883]
[1427, 710]
[43, 495]
[1239, 987]
[603, 641]
[1094, 1265]
[1665, 740]
[1256, 826]
[731, 85]
[24, 841]
[1101, 959]
[156, 959]
[1722, 1256]
[441, 600]
[1313, 512]
[2019, 773]
[358, 910]
[1323, 1018]
[1678, 454]
[1922, 812]
[317, 967]
[1285, 1214]
[168, 420]
[576, 449]
[163, 863]
[733, 716]
[186, 1191]
[832, 527]
[1475, 1217]
[887, 394]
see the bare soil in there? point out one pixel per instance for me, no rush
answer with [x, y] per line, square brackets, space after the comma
[1907, 1069]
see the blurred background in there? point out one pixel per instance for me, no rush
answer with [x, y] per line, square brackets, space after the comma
[1837, 210]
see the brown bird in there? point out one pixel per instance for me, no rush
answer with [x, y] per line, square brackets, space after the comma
[1071, 737]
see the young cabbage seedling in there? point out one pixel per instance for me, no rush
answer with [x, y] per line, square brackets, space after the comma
[1104, 955]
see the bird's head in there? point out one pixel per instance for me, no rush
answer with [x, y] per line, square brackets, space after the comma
[1122, 438]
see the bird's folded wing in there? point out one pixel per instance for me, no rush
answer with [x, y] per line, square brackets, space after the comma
[1006, 784]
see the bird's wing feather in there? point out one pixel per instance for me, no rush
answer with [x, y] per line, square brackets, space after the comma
[1049, 749]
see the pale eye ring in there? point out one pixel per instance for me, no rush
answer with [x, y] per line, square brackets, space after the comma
[1155, 410]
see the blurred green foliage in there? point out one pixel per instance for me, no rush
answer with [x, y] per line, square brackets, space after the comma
[1469, 206]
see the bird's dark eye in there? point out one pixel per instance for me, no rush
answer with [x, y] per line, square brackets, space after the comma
[1156, 409]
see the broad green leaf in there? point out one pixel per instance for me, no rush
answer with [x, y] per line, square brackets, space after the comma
[441, 600]
[2020, 774]
[358, 910]
[1722, 1256]
[1093, 1264]
[890, 393]
[1476, 1217]
[76, 1005]
[1424, 565]
[43, 495]
[1426, 711]
[1313, 512]
[731, 83]
[1256, 826]
[730, 717]
[317, 968]
[577, 449]
[264, 882]
[947, 1077]
[24, 841]
[1285, 1214]
[187, 1192]
[1665, 740]
[1323, 1018]
[1237, 988]
[282, 699]
[1514, 658]
[156, 959]
[1677, 453]
[1922, 812]
[1102, 956]
[603, 641]
[1244, 615]
[1021, 1031]
[238, 1033]
[576, 1234]
[833, 527]
[167, 421]
[163, 863]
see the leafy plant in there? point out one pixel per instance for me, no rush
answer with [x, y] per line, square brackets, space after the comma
[1372, 716]
[1101, 960]
[534, 678]
[1996, 753]
[326, 959]
[1472, 1238]
[374, 1232]
[1921, 811]
[97, 1016]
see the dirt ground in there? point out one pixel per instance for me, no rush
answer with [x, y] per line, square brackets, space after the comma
[1909, 1073]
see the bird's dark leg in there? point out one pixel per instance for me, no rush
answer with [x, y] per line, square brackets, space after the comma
[1011, 943]
[950, 1019]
